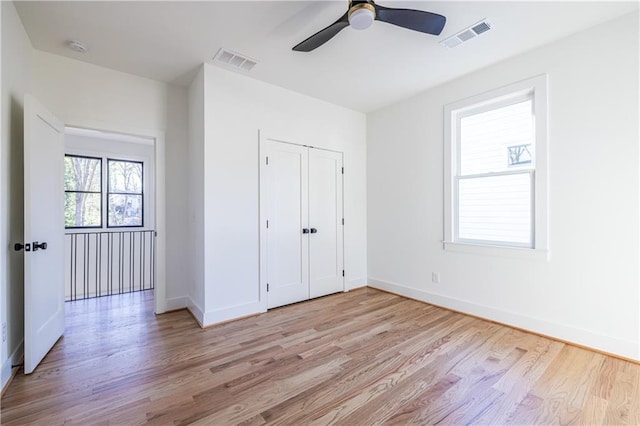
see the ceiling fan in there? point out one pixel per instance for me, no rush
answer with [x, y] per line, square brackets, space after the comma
[361, 15]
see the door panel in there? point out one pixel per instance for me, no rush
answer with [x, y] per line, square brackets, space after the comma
[287, 251]
[325, 216]
[44, 223]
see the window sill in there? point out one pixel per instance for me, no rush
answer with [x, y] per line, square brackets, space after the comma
[497, 251]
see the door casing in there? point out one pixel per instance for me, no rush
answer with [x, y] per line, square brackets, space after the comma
[160, 292]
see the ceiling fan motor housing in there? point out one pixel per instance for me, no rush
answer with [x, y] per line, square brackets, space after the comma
[361, 15]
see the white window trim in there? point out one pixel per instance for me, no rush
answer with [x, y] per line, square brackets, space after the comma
[452, 113]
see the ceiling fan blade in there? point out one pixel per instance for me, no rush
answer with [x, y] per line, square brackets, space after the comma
[417, 20]
[323, 36]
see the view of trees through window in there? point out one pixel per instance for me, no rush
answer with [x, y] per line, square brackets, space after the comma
[125, 193]
[83, 177]
[83, 192]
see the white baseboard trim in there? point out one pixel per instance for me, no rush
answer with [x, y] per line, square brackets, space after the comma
[176, 303]
[229, 313]
[13, 359]
[623, 348]
[357, 283]
[196, 311]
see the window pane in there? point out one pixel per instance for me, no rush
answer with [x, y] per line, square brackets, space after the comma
[125, 210]
[495, 209]
[125, 176]
[82, 174]
[497, 140]
[82, 209]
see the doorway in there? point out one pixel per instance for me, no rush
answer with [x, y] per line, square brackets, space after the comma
[301, 206]
[110, 213]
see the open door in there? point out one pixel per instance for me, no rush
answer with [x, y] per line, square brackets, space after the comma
[43, 232]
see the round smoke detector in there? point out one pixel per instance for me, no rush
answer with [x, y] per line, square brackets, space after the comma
[77, 46]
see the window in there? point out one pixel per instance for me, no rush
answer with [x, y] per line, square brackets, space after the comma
[125, 198]
[83, 192]
[496, 168]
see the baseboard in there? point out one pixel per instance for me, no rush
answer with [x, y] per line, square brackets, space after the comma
[357, 283]
[225, 314]
[176, 303]
[195, 310]
[14, 359]
[617, 347]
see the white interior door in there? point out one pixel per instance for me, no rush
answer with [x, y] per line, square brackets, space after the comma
[286, 205]
[301, 205]
[43, 232]
[325, 221]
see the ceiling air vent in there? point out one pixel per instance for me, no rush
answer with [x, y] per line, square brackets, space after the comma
[234, 60]
[466, 34]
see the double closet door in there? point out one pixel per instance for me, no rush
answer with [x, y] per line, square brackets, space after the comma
[302, 201]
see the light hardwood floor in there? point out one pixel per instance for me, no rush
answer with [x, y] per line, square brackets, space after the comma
[359, 358]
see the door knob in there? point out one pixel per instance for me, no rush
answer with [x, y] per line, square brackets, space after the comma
[314, 230]
[18, 247]
[37, 246]
[305, 230]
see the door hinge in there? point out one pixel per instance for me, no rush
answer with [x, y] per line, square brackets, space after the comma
[267, 287]
[267, 224]
[343, 272]
[343, 170]
[267, 161]
[343, 220]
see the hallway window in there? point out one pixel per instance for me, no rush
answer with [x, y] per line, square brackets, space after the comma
[83, 192]
[125, 194]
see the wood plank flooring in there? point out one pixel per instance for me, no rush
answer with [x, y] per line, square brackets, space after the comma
[359, 358]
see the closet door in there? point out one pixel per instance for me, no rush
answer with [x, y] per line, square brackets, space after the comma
[287, 255]
[325, 222]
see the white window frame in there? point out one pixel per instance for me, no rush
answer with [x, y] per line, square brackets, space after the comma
[535, 89]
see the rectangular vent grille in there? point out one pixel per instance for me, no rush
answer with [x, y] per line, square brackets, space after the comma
[234, 60]
[481, 27]
[466, 34]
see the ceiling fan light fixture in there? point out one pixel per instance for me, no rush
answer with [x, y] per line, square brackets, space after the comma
[361, 16]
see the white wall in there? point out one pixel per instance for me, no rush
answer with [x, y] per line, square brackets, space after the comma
[196, 196]
[86, 95]
[16, 81]
[79, 92]
[588, 292]
[176, 184]
[236, 107]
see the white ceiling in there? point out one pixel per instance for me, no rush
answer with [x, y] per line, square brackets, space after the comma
[362, 70]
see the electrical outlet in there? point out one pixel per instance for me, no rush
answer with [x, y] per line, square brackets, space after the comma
[435, 277]
[4, 331]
